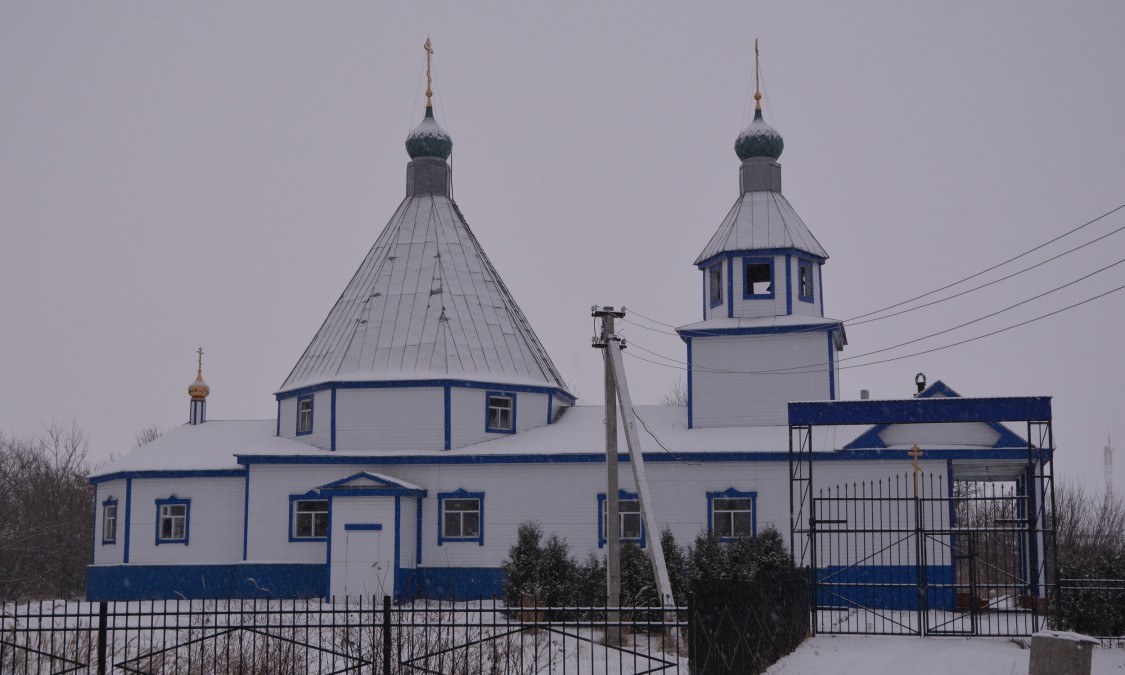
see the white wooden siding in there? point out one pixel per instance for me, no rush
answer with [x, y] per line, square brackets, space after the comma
[214, 520]
[287, 418]
[396, 418]
[726, 399]
[366, 510]
[408, 532]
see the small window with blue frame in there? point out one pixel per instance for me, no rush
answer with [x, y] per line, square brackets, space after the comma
[462, 517]
[501, 413]
[804, 281]
[304, 415]
[310, 519]
[172, 520]
[109, 521]
[732, 514]
[759, 278]
[629, 516]
[715, 284]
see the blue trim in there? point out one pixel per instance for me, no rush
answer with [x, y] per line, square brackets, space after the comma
[310, 496]
[333, 441]
[110, 501]
[128, 516]
[278, 432]
[460, 493]
[328, 554]
[952, 509]
[803, 265]
[788, 285]
[730, 286]
[820, 286]
[621, 494]
[872, 437]
[550, 406]
[362, 527]
[712, 300]
[746, 294]
[598, 458]
[239, 580]
[94, 529]
[398, 547]
[312, 411]
[246, 515]
[386, 486]
[448, 402]
[173, 501]
[193, 473]
[418, 535]
[459, 583]
[761, 330]
[689, 383]
[704, 294]
[759, 252]
[488, 396]
[731, 493]
[398, 384]
[374, 492]
[1006, 409]
[831, 366]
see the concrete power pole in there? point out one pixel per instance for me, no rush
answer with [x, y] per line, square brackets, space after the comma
[612, 510]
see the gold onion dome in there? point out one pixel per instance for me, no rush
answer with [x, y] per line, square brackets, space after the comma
[199, 390]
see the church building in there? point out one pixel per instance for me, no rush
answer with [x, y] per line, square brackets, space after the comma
[425, 421]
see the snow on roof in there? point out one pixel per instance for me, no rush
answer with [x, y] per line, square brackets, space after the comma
[425, 299]
[211, 445]
[733, 323]
[761, 220]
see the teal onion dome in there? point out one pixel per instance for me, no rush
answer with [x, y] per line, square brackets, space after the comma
[759, 140]
[428, 139]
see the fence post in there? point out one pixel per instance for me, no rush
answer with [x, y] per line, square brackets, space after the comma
[101, 636]
[386, 635]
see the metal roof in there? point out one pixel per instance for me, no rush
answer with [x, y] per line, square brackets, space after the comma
[426, 301]
[762, 219]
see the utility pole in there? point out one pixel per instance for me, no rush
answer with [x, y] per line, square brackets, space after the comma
[612, 510]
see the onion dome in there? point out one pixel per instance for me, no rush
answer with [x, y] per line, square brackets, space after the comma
[759, 140]
[428, 139]
[199, 390]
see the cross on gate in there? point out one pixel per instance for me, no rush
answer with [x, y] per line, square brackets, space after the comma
[915, 454]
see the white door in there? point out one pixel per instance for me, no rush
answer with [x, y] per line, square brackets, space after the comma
[368, 570]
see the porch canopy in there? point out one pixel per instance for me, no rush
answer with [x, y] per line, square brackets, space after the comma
[921, 411]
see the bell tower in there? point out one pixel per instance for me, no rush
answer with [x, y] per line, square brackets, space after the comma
[764, 339]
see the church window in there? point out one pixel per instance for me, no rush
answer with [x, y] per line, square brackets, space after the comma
[629, 514]
[759, 278]
[715, 284]
[309, 519]
[109, 521]
[731, 514]
[172, 520]
[804, 281]
[501, 413]
[462, 516]
[304, 415]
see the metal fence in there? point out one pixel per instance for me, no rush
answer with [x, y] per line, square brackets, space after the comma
[350, 636]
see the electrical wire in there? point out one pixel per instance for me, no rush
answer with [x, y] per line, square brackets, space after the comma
[661, 443]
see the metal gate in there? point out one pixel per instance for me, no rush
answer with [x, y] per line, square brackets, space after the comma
[914, 554]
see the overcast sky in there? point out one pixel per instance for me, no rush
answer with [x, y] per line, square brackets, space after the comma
[212, 173]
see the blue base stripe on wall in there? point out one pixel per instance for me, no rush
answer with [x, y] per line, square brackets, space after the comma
[158, 582]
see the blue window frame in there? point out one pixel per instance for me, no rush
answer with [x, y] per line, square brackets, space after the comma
[109, 521]
[757, 279]
[732, 514]
[715, 284]
[629, 512]
[172, 520]
[461, 517]
[500, 412]
[304, 415]
[804, 280]
[308, 517]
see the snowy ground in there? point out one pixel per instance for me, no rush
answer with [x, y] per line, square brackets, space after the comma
[895, 655]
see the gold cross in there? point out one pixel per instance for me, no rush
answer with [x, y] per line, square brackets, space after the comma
[429, 52]
[199, 351]
[757, 78]
[915, 453]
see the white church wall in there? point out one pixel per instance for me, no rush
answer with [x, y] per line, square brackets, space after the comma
[759, 307]
[109, 554]
[468, 414]
[737, 399]
[214, 520]
[269, 511]
[395, 418]
[408, 533]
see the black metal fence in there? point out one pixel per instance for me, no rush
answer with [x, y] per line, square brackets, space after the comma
[201, 637]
